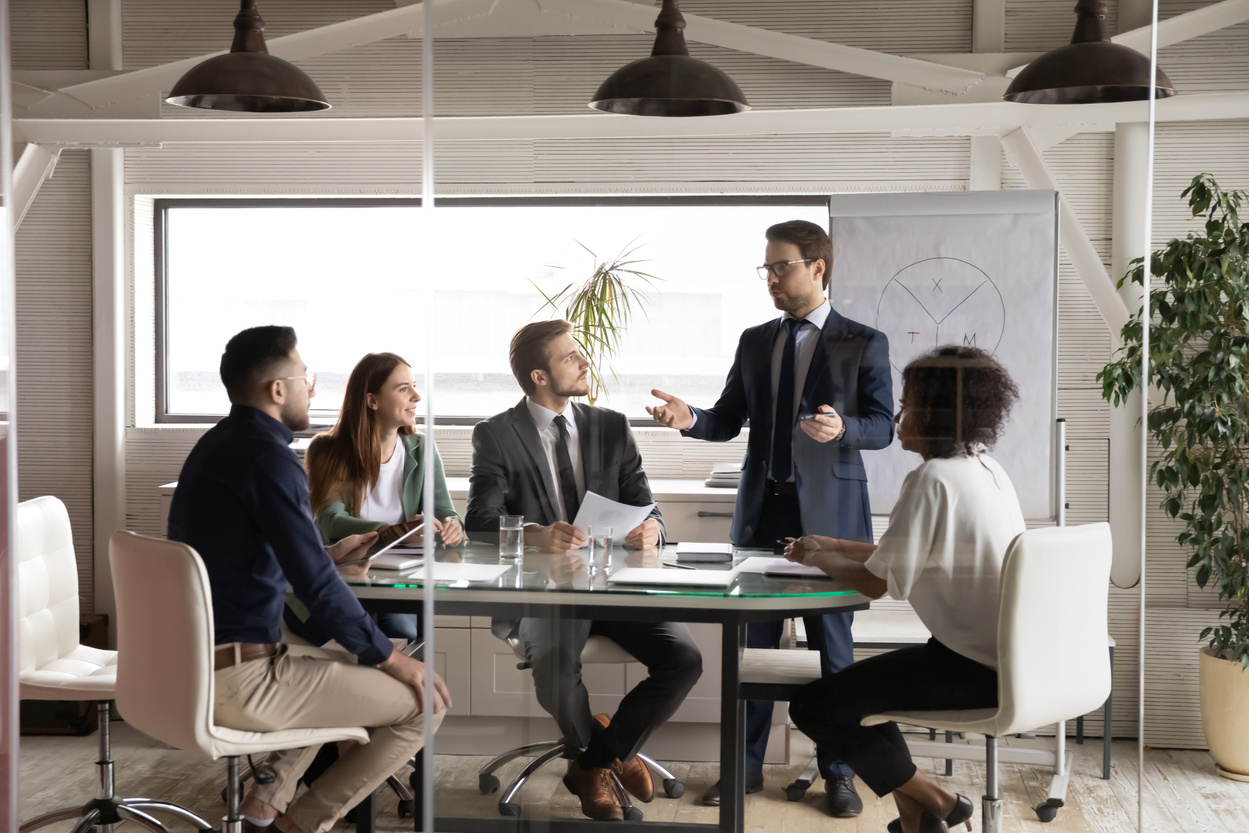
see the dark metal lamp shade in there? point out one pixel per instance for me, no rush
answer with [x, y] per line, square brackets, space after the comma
[669, 83]
[248, 78]
[1091, 70]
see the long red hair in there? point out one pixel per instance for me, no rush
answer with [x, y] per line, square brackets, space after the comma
[345, 461]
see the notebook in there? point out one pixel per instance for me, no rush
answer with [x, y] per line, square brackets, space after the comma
[400, 558]
[458, 572]
[696, 551]
[659, 577]
[779, 567]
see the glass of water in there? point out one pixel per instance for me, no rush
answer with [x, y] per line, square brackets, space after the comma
[511, 536]
[599, 558]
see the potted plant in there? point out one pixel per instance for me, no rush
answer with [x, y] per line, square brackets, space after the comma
[1199, 365]
[600, 309]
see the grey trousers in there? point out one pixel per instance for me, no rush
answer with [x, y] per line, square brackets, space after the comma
[553, 647]
[305, 687]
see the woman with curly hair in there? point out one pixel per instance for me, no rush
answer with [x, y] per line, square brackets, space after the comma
[954, 519]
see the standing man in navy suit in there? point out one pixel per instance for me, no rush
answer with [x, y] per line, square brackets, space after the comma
[817, 390]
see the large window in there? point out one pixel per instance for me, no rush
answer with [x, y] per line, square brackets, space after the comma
[348, 275]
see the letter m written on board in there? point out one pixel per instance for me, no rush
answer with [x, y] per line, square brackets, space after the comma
[969, 339]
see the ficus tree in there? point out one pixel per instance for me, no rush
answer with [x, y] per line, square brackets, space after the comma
[1199, 366]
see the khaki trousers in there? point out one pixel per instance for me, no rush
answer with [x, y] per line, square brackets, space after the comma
[304, 687]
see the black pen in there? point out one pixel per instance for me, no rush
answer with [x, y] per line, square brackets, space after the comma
[682, 566]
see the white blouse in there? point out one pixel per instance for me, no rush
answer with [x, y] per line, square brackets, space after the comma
[384, 502]
[943, 550]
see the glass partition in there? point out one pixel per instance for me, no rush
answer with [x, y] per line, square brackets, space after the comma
[8, 492]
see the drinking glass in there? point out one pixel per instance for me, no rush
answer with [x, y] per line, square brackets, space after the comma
[599, 558]
[511, 536]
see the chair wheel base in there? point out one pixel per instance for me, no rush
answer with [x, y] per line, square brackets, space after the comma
[487, 784]
[509, 809]
[406, 808]
[1048, 810]
[633, 814]
[673, 788]
[797, 790]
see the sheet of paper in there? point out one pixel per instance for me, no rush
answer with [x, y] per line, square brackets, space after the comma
[451, 572]
[779, 567]
[597, 510]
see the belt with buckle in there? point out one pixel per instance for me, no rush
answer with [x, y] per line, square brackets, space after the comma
[779, 488]
[237, 653]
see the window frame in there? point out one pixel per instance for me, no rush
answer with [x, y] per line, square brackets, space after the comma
[318, 417]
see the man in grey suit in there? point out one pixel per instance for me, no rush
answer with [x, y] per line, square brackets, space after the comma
[539, 459]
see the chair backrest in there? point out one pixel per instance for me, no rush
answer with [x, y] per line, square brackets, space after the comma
[47, 583]
[164, 640]
[1053, 647]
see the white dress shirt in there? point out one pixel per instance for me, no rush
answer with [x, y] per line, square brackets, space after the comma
[948, 533]
[804, 348]
[548, 433]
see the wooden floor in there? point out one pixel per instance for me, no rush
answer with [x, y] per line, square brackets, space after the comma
[1182, 792]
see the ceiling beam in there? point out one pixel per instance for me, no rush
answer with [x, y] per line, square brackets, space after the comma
[976, 119]
[515, 18]
[35, 164]
[1188, 25]
[1027, 157]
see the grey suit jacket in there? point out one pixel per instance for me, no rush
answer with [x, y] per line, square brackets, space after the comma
[511, 476]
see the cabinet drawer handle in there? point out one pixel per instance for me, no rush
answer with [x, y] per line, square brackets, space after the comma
[702, 513]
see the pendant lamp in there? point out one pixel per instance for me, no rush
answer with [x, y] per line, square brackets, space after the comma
[1091, 70]
[669, 83]
[248, 78]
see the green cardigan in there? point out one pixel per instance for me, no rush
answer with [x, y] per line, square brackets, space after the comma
[335, 522]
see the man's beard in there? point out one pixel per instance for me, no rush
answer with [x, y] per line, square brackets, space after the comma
[294, 417]
[583, 390]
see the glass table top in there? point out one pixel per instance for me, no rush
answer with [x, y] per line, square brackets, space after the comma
[570, 573]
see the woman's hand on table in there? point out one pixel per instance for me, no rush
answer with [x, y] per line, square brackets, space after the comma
[452, 532]
[802, 550]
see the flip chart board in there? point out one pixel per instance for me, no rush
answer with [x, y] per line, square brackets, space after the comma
[978, 268]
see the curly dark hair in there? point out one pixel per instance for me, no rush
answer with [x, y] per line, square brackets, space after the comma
[956, 399]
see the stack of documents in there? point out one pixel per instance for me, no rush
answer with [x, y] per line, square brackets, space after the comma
[724, 475]
[673, 578]
[780, 567]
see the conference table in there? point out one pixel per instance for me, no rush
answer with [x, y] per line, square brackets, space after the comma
[549, 584]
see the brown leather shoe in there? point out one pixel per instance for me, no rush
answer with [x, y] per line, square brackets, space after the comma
[595, 789]
[634, 775]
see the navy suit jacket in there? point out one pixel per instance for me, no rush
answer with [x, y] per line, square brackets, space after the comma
[850, 371]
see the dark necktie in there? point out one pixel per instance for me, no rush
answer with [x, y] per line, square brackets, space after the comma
[567, 483]
[783, 428]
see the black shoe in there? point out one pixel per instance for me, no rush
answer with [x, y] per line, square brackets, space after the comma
[842, 801]
[754, 784]
[961, 814]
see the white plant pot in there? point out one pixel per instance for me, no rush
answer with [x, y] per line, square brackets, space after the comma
[1225, 713]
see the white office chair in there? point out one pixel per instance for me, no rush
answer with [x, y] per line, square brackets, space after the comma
[1052, 660]
[597, 650]
[54, 666]
[165, 679]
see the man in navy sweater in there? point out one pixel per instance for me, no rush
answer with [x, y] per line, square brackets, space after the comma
[242, 503]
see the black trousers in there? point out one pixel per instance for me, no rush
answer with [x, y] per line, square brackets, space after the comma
[667, 649]
[829, 634]
[929, 676]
